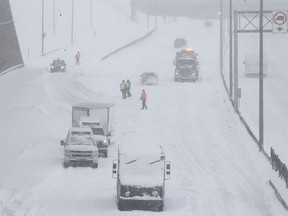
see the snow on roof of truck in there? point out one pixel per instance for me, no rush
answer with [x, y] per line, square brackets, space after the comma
[89, 119]
[80, 130]
[142, 148]
[94, 105]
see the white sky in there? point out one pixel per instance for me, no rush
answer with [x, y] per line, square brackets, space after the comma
[216, 167]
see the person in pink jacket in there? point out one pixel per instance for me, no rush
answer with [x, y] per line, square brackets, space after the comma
[143, 98]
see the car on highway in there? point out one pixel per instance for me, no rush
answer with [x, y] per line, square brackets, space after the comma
[149, 78]
[58, 65]
[180, 42]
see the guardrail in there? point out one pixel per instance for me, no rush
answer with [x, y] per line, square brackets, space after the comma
[128, 45]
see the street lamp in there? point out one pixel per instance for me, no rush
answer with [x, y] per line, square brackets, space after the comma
[43, 35]
[72, 22]
[261, 113]
[230, 51]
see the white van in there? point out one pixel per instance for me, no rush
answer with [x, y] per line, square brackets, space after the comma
[251, 62]
[98, 132]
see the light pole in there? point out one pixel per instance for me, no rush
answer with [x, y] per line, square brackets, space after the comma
[72, 22]
[261, 104]
[53, 17]
[155, 1]
[230, 52]
[221, 36]
[43, 27]
[91, 17]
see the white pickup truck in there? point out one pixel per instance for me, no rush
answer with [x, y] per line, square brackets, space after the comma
[98, 133]
[80, 148]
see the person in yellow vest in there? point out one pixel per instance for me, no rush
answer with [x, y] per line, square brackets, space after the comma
[123, 89]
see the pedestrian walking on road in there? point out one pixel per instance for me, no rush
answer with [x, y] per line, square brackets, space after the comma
[143, 98]
[128, 85]
[77, 57]
[123, 89]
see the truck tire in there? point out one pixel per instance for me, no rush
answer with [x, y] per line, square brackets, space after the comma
[105, 154]
[95, 165]
[160, 208]
[120, 206]
[65, 165]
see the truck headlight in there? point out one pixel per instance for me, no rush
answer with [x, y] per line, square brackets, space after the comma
[155, 194]
[52, 67]
[67, 153]
[62, 67]
[95, 154]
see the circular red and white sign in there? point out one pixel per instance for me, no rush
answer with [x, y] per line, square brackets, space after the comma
[280, 18]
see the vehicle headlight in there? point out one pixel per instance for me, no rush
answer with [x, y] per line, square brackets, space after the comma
[95, 154]
[67, 153]
[62, 67]
[155, 194]
[52, 67]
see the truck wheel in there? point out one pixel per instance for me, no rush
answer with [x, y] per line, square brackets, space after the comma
[105, 154]
[95, 165]
[65, 165]
[120, 207]
[160, 208]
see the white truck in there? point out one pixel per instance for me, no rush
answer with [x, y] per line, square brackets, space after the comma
[251, 63]
[98, 133]
[80, 148]
[141, 173]
[104, 112]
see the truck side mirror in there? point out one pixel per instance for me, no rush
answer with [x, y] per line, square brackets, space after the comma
[114, 168]
[62, 142]
[108, 134]
[167, 170]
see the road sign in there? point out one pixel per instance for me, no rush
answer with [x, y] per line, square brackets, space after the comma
[238, 93]
[279, 22]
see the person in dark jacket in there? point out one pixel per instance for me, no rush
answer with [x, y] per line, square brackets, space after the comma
[143, 98]
[128, 87]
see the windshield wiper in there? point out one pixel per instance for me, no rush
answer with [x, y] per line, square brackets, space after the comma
[131, 161]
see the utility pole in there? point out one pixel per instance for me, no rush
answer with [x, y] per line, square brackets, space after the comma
[261, 104]
[221, 36]
[53, 17]
[230, 53]
[43, 35]
[72, 23]
[155, 9]
[91, 15]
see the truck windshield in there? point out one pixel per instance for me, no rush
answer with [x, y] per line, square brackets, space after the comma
[80, 140]
[98, 131]
[147, 169]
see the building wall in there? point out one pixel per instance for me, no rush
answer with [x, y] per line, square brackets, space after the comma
[10, 54]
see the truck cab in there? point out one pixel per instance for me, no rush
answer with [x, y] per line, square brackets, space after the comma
[186, 65]
[98, 133]
[141, 175]
[80, 148]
